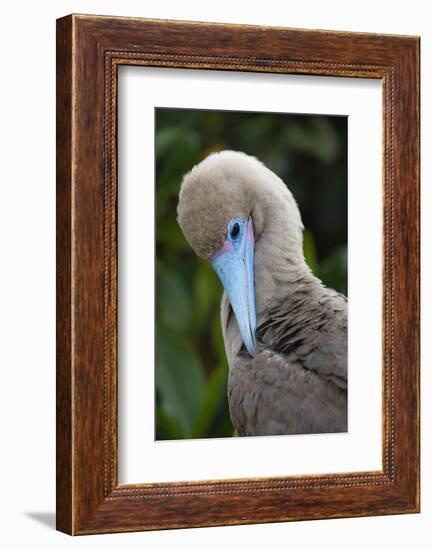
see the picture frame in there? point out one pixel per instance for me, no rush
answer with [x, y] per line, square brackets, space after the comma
[89, 51]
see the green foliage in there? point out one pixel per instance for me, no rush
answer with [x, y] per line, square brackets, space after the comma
[333, 270]
[310, 253]
[310, 154]
[179, 380]
[213, 403]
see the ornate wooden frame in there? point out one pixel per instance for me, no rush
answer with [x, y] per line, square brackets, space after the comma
[89, 51]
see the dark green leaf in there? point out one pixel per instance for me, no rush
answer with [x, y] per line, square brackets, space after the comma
[310, 251]
[167, 427]
[333, 271]
[208, 293]
[174, 304]
[179, 380]
[214, 396]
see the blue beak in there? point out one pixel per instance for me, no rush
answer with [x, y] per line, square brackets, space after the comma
[234, 265]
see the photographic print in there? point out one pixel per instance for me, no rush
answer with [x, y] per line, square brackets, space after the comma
[251, 273]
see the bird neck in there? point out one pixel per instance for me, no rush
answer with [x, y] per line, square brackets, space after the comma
[280, 267]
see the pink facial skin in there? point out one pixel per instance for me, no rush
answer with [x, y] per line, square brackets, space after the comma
[226, 247]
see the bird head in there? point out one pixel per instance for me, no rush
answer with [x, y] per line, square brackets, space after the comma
[225, 204]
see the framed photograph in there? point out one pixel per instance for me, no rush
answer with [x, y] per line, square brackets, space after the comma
[237, 274]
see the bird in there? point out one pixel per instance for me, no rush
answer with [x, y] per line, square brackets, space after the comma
[284, 331]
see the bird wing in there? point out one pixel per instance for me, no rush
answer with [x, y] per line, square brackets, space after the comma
[312, 333]
[297, 381]
[270, 396]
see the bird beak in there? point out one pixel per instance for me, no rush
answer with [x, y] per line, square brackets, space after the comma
[234, 266]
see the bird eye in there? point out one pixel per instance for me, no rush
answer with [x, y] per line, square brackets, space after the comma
[234, 232]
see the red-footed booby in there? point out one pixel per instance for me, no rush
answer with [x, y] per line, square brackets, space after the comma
[285, 333]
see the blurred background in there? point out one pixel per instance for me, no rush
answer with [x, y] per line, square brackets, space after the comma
[309, 152]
